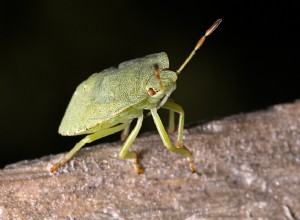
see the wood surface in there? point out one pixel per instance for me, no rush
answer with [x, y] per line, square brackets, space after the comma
[248, 166]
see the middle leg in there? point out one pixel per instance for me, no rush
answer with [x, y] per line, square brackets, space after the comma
[124, 154]
[173, 107]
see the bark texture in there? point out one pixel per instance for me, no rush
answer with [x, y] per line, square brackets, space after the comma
[248, 166]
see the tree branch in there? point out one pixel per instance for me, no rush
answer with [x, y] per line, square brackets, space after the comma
[248, 166]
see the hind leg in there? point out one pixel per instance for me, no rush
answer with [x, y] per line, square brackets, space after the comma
[87, 139]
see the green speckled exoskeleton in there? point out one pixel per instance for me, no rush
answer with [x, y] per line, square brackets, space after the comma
[108, 101]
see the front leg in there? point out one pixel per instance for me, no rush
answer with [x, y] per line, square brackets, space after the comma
[173, 107]
[166, 140]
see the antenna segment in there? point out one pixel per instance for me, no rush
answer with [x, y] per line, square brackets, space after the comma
[199, 44]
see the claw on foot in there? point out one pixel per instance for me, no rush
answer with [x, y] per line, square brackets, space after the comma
[55, 167]
[192, 166]
[137, 168]
[190, 157]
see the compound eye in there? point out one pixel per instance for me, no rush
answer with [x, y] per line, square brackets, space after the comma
[151, 91]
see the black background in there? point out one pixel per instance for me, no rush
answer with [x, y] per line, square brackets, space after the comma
[48, 47]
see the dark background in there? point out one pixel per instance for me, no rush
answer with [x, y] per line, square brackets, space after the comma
[48, 47]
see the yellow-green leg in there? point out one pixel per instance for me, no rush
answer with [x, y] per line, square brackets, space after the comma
[125, 133]
[173, 107]
[124, 154]
[166, 140]
[87, 139]
[171, 128]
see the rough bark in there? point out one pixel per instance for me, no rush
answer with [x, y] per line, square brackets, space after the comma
[248, 167]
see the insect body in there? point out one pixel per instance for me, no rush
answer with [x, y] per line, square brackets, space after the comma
[108, 101]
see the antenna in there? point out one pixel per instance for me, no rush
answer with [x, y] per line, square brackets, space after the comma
[199, 44]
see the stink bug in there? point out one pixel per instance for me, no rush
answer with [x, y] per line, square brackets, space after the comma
[108, 101]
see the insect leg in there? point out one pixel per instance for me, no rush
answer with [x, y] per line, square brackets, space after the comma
[124, 154]
[87, 139]
[171, 128]
[125, 133]
[166, 140]
[173, 107]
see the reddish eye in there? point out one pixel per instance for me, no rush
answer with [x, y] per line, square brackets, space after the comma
[151, 92]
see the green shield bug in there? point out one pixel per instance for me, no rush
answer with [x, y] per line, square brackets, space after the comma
[108, 101]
